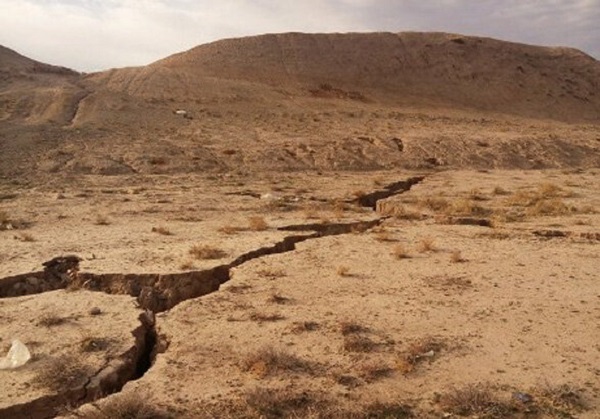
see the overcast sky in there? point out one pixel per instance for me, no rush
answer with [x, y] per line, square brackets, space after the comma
[90, 35]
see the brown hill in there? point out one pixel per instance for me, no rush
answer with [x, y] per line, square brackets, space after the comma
[299, 101]
[405, 68]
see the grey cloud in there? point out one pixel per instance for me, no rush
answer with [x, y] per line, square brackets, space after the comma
[98, 34]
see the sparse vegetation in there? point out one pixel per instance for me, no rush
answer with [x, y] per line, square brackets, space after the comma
[26, 237]
[203, 251]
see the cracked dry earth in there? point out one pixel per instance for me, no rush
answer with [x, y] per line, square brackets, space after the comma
[463, 294]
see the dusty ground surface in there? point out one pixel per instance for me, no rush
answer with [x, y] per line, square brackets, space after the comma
[400, 318]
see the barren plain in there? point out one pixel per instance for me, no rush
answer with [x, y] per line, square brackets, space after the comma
[324, 247]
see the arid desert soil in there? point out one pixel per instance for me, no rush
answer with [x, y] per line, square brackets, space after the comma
[473, 293]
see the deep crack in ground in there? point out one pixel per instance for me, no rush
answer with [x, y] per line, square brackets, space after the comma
[160, 292]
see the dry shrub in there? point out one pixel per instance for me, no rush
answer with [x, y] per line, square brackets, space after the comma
[434, 203]
[268, 361]
[203, 251]
[162, 230]
[553, 206]
[265, 317]
[350, 327]
[358, 343]
[562, 396]
[257, 223]
[475, 399]
[427, 244]
[63, 373]
[467, 207]
[306, 326]
[374, 370]
[417, 352]
[127, 406]
[338, 208]
[283, 403]
[400, 252]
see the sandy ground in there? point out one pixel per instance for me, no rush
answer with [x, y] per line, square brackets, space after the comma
[403, 316]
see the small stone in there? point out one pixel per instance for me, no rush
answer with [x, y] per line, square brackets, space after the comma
[95, 311]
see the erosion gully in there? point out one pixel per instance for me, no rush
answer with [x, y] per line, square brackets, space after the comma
[157, 293]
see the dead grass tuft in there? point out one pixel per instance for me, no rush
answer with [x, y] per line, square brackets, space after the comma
[63, 373]
[387, 411]
[162, 230]
[358, 343]
[400, 252]
[25, 237]
[475, 399]
[128, 406]
[418, 352]
[456, 257]
[277, 298]
[350, 328]
[102, 220]
[271, 273]
[257, 223]
[562, 396]
[427, 244]
[283, 403]
[202, 251]
[306, 326]
[261, 317]
[229, 229]
[372, 371]
[268, 361]
[94, 344]
[187, 266]
[343, 271]
[51, 319]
